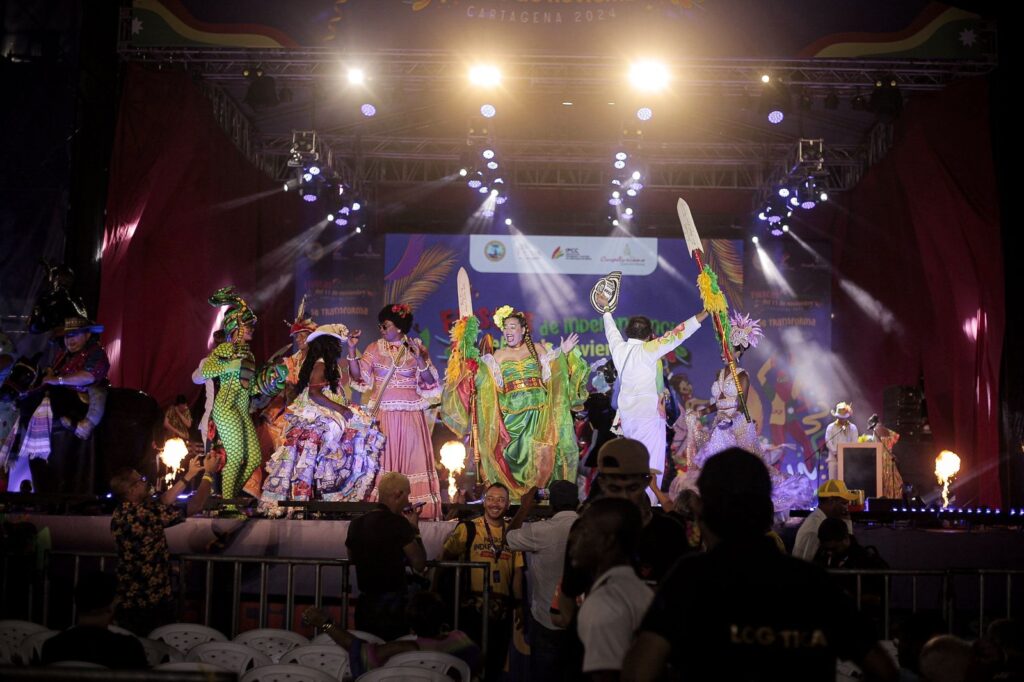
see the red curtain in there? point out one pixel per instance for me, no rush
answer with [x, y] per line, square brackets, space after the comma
[186, 214]
[921, 234]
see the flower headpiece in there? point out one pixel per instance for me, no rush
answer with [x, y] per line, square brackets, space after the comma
[746, 332]
[501, 314]
[401, 309]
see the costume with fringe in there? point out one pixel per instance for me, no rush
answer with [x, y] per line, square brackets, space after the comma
[520, 411]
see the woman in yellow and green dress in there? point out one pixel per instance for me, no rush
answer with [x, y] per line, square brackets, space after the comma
[521, 399]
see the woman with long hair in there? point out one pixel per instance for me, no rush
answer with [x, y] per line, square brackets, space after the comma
[319, 448]
[522, 397]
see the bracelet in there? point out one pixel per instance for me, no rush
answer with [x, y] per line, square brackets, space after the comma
[326, 627]
[208, 478]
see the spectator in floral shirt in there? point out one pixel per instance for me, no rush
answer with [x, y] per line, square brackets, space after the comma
[138, 523]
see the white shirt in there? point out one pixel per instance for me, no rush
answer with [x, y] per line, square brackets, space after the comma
[544, 545]
[836, 434]
[211, 391]
[611, 613]
[637, 364]
[806, 544]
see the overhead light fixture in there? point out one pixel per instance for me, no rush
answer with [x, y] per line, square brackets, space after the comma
[356, 76]
[485, 75]
[648, 75]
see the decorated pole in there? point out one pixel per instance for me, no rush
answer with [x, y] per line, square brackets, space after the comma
[712, 297]
[465, 312]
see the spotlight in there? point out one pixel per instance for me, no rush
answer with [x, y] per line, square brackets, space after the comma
[483, 190]
[755, 239]
[631, 192]
[356, 206]
[785, 228]
[644, 113]
[359, 230]
[614, 201]
[494, 192]
[775, 116]
[307, 177]
[356, 76]
[485, 75]
[330, 217]
[794, 201]
[823, 196]
[341, 222]
[615, 223]
[493, 165]
[309, 197]
[621, 156]
[636, 176]
[615, 194]
[314, 170]
[775, 231]
[508, 221]
[463, 172]
[783, 192]
[474, 183]
[368, 110]
[488, 111]
[488, 153]
[649, 76]
[762, 216]
[619, 165]
[498, 181]
[628, 211]
[286, 187]
[765, 78]
[501, 199]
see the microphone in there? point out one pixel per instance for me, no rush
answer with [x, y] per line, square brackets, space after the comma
[872, 421]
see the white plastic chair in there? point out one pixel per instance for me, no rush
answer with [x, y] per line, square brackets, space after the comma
[185, 636]
[402, 673]
[76, 664]
[192, 667]
[367, 636]
[30, 652]
[273, 642]
[158, 652]
[287, 672]
[434, 660]
[14, 632]
[233, 656]
[330, 658]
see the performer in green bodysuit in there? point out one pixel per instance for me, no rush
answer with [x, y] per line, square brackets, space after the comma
[234, 365]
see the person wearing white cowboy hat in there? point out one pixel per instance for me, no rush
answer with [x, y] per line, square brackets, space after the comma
[842, 430]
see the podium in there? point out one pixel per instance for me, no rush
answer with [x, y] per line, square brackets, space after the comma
[861, 467]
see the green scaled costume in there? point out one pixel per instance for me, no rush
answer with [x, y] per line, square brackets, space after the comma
[519, 411]
[234, 365]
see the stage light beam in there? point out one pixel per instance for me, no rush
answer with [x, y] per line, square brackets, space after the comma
[485, 75]
[649, 76]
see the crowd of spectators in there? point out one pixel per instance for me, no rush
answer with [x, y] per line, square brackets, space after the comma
[607, 589]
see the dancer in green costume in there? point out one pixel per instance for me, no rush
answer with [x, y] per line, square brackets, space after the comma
[518, 405]
[234, 365]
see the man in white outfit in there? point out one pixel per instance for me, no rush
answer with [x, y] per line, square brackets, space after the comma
[842, 430]
[638, 362]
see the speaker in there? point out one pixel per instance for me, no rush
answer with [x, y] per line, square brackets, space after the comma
[915, 457]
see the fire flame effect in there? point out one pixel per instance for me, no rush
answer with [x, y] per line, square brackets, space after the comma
[453, 458]
[171, 457]
[947, 465]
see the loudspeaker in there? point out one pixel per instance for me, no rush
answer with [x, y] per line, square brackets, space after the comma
[915, 458]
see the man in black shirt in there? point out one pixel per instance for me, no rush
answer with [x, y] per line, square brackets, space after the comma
[380, 544]
[744, 611]
[89, 640]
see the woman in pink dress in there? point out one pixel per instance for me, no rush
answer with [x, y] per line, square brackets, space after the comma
[398, 384]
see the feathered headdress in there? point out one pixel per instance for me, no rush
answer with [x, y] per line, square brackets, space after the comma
[238, 312]
[301, 323]
[745, 331]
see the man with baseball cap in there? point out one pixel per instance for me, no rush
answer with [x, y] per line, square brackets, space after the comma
[833, 503]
